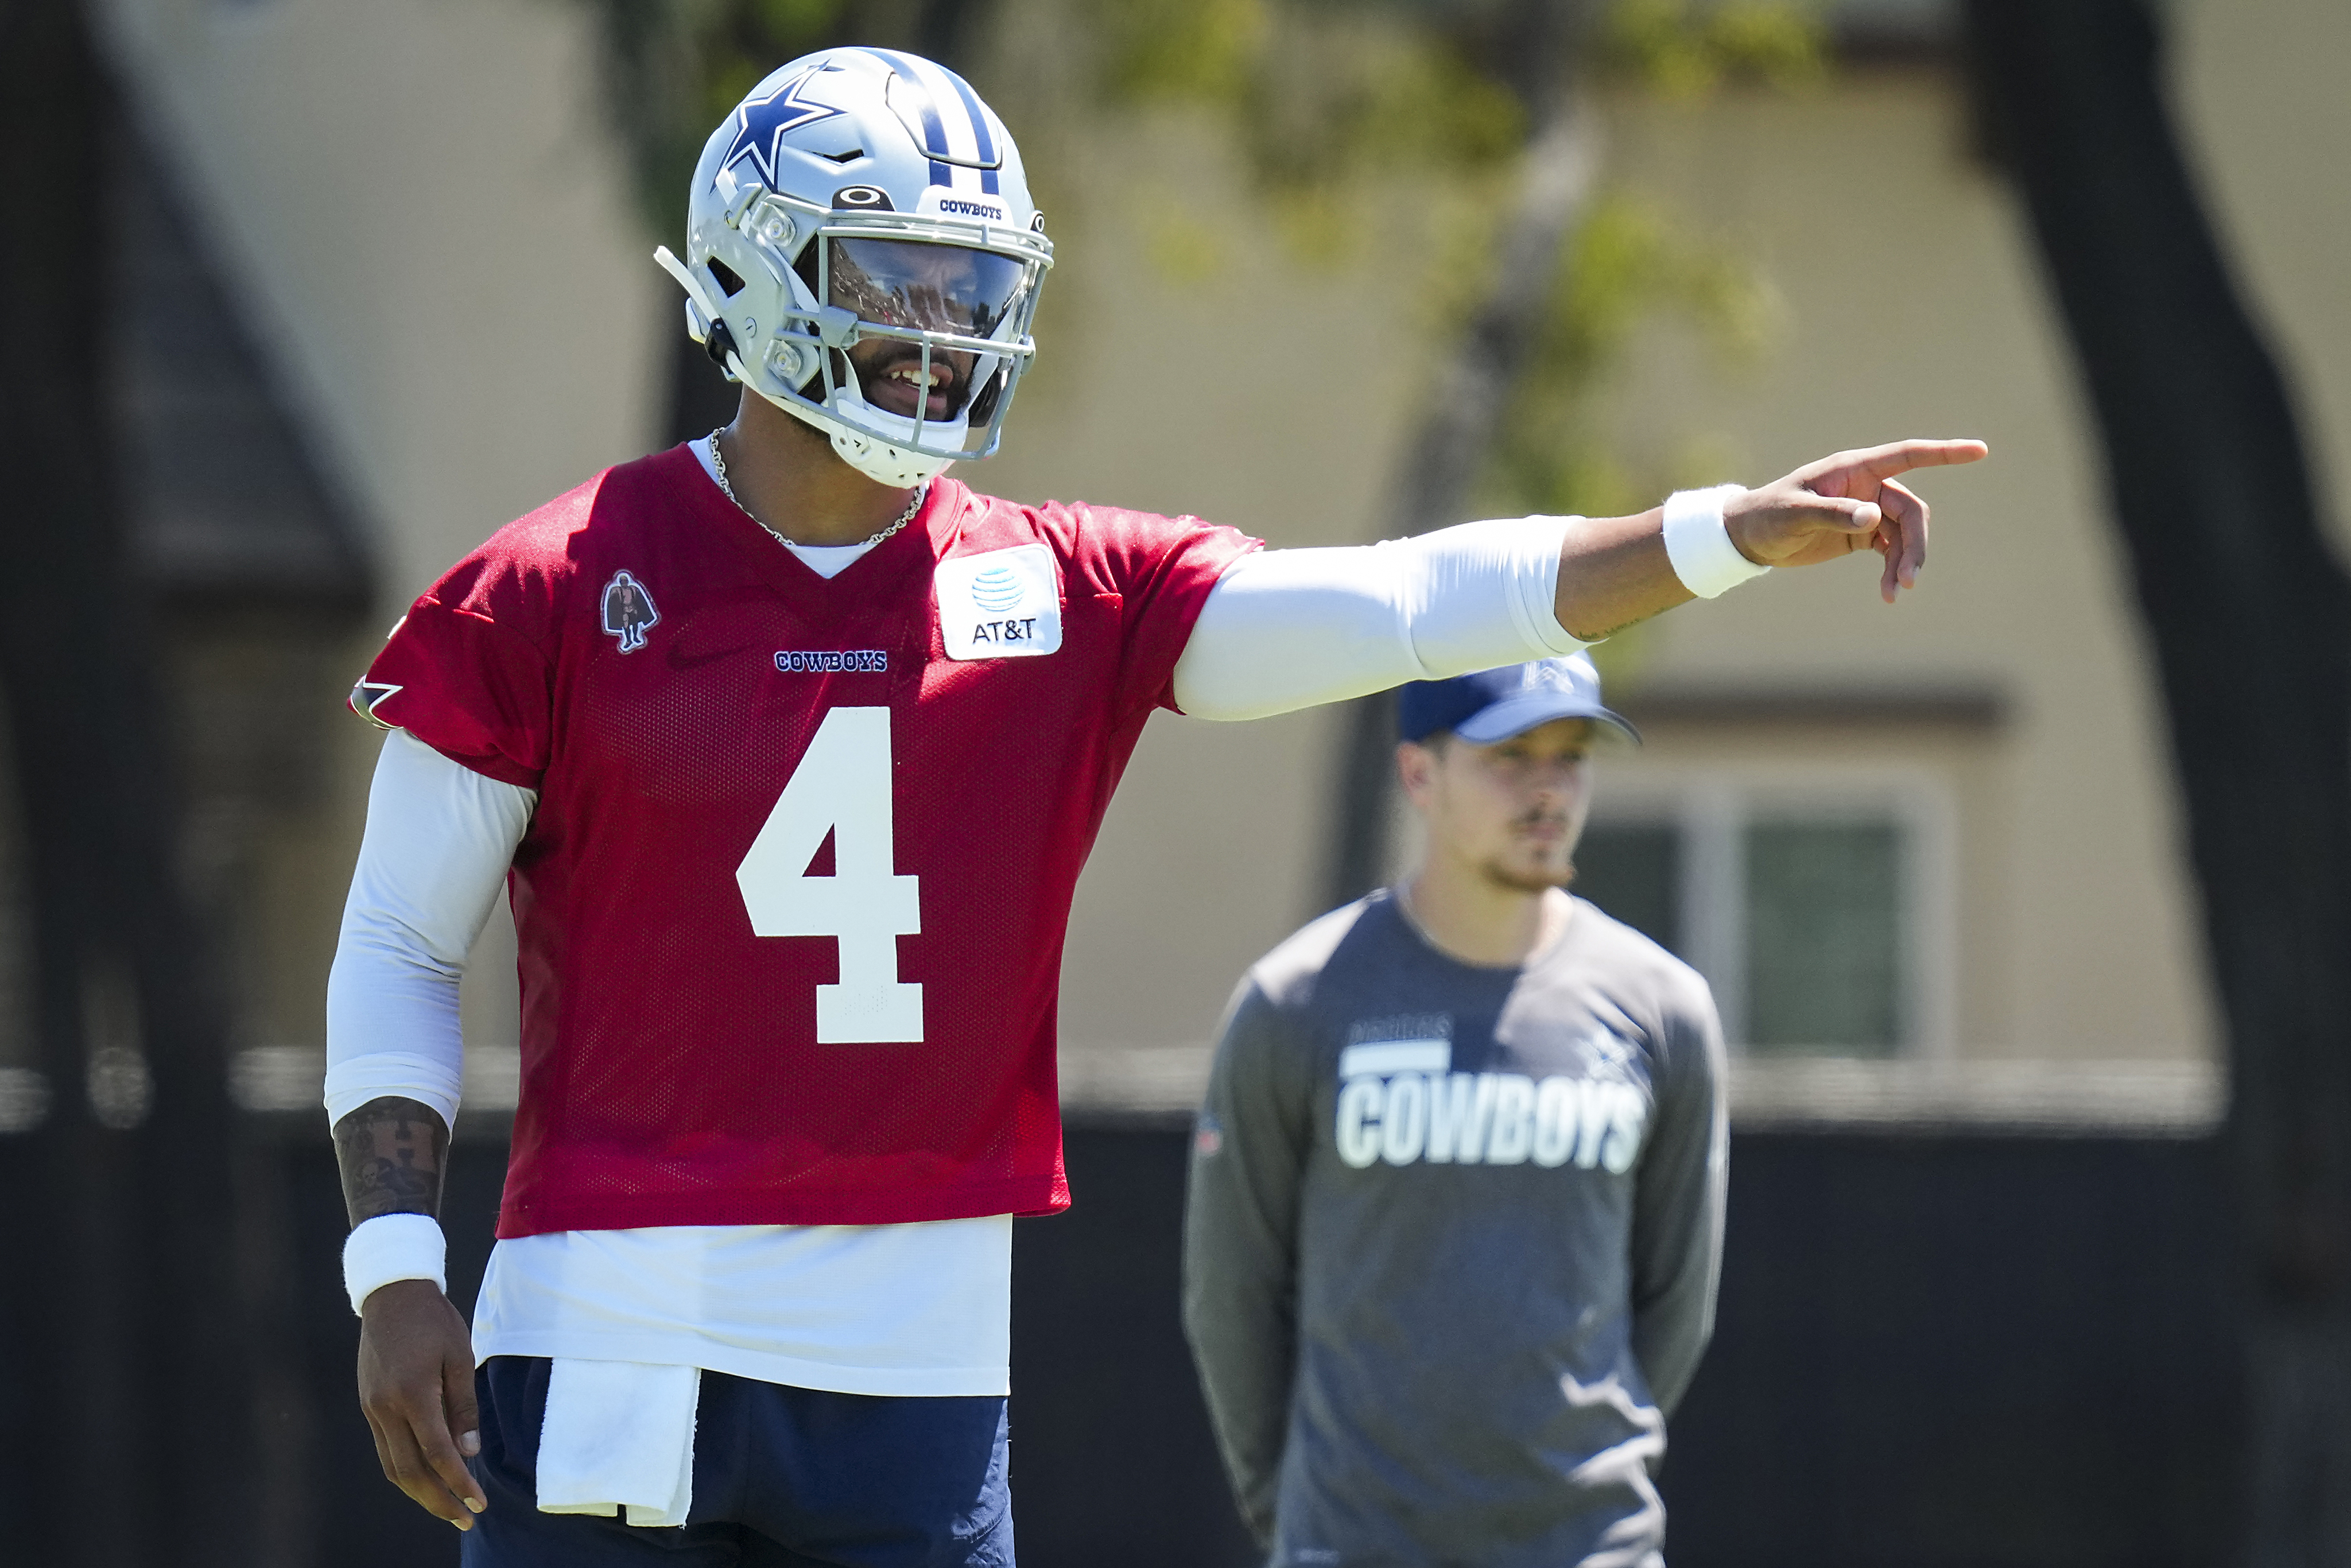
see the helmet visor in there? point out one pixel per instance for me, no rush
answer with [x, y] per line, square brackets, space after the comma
[922, 286]
[928, 312]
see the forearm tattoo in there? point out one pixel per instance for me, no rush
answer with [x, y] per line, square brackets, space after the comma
[394, 1153]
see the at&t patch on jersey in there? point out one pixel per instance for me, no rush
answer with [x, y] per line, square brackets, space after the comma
[1000, 603]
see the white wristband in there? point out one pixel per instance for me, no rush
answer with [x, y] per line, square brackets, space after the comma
[394, 1247]
[1698, 544]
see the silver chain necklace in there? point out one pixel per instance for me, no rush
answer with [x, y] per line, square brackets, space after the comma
[718, 465]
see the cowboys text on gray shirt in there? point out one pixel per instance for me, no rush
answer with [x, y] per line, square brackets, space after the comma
[1452, 1243]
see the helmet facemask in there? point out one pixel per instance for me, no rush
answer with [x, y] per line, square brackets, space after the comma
[939, 338]
[878, 306]
[866, 257]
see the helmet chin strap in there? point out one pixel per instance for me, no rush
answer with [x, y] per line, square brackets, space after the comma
[887, 465]
[876, 459]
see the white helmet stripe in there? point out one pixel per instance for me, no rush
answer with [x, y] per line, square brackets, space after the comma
[985, 144]
[962, 141]
[924, 105]
[958, 131]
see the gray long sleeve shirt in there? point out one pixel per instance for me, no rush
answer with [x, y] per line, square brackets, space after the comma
[1452, 1242]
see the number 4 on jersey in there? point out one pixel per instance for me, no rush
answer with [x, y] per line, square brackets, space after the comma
[842, 786]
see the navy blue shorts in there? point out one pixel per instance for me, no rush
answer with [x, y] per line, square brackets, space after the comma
[783, 1478]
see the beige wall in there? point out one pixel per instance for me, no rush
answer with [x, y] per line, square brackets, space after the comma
[2261, 95]
[1946, 780]
[1914, 306]
[1913, 309]
[424, 217]
[444, 252]
[1253, 396]
[419, 211]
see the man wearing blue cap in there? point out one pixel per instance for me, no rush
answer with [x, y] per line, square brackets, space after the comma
[1455, 1212]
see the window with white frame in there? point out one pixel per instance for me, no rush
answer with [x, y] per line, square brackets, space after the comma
[1816, 905]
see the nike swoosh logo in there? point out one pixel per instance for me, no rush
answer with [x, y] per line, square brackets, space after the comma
[680, 660]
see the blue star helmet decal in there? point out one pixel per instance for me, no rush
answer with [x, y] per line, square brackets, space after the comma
[761, 122]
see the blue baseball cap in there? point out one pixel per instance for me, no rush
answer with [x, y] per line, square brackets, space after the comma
[1495, 705]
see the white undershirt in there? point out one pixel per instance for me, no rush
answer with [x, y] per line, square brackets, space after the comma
[908, 1309]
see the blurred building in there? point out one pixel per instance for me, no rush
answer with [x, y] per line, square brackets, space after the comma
[1928, 856]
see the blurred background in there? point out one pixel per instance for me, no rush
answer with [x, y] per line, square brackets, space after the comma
[2027, 903]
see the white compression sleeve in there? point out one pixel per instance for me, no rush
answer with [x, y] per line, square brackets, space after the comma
[1290, 629]
[439, 839]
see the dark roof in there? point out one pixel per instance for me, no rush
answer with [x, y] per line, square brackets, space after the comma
[225, 502]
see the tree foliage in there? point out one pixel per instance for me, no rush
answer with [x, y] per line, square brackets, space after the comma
[1631, 264]
[673, 69]
[1325, 100]
[1325, 104]
[1687, 51]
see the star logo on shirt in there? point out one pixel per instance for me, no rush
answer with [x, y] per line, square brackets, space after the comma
[369, 695]
[1610, 1056]
[1208, 1138]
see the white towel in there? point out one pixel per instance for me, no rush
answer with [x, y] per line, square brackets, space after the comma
[617, 1437]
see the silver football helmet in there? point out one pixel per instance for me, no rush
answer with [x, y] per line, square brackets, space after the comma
[862, 252]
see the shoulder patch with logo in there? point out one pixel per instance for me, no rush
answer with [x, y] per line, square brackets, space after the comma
[629, 611]
[1000, 603]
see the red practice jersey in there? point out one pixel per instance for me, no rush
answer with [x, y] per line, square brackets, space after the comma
[790, 908]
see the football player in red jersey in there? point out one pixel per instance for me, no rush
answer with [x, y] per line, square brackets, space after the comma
[788, 749]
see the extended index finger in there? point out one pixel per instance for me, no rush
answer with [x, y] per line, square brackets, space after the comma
[1885, 462]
